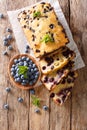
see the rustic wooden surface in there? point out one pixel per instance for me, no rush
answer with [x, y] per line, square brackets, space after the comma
[20, 116]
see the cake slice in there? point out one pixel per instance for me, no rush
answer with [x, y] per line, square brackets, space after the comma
[42, 29]
[56, 60]
[61, 91]
[55, 77]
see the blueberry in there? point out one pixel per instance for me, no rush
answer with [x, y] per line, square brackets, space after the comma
[20, 99]
[29, 73]
[10, 47]
[16, 67]
[32, 77]
[27, 47]
[5, 38]
[23, 58]
[37, 110]
[24, 84]
[34, 81]
[24, 81]
[13, 66]
[21, 63]
[45, 108]
[12, 73]
[25, 63]
[15, 61]
[26, 51]
[18, 80]
[5, 53]
[36, 76]
[8, 30]
[20, 59]
[17, 70]
[22, 76]
[9, 37]
[6, 106]
[12, 69]
[5, 43]
[35, 69]
[8, 89]
[27, 59]
[1, 15]
[34, 65]
[17, 75]
[32, 91]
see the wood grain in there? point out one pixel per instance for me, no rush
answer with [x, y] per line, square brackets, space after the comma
[20, 116]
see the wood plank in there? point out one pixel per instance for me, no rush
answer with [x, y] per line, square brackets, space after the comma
[17, 117]
[78, 22]
[60, 115]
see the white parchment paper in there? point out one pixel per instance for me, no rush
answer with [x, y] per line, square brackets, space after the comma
[21, 40]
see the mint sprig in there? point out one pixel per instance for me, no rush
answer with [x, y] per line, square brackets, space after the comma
[23, 71]
[35, 101]
[47, 38]
[37, 14]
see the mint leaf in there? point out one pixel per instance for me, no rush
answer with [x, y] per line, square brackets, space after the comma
[23, 70]
[37, 14]
[47, 38]
[35, 101]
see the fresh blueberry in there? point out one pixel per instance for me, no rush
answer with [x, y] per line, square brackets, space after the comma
[5, 43]
[34, 81]
[12, 73]
[20, 99]
[27, 47]
[1, 15]
[27, 59]
[12, 69]
[26, 51]
[36, 76]
[10, 47]
[5, 38]
[20, 59]
[17, 70]
[9, 37]
[18, 80]
[5, 53]
[32, 91]
[21, 63]
[34, 65]
[15, 61]
[8, 89]
[45, 108]
[16, 67]
[17, 75]
[25, 63]
[13, 66]
[6, 106]
[8, 30]
[23, 58]
[22, 76]
[37, 110]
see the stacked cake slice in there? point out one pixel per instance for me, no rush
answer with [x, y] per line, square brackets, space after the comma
[57, 73]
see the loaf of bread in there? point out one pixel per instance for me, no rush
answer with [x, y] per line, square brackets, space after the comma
[42, 29]
[56, 60]
[51, 79]
[61, 91]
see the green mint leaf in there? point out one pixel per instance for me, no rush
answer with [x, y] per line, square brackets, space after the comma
[35, 101]
[47, 38]
[23, 70]
[37, 14]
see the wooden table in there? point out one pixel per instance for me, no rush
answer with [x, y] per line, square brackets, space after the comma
[20, 116]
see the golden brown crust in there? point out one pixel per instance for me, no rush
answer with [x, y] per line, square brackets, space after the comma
[12, 79]
[35, 28]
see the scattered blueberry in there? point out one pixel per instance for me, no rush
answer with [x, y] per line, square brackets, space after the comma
[8, 30]
[5, 53]
[37, 110]
[9, 37]
[45, 108]
[8, 89]
[5, 38]
[27, 47]
[5, 43]
[10, 47]
[20, 99]
[32, 91]
[26, 51]
[1, 15]
[6, 106]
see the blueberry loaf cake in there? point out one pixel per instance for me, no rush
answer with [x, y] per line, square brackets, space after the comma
[49, 80]
[61, 91]
[56, 60]
[42, 29]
